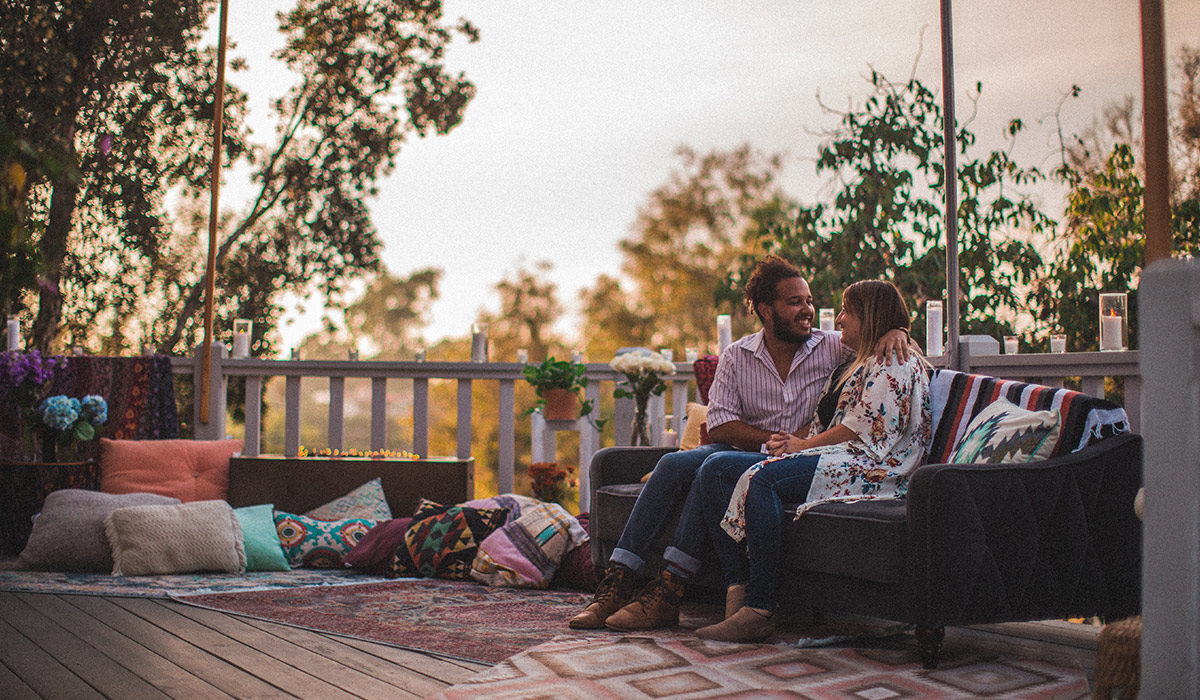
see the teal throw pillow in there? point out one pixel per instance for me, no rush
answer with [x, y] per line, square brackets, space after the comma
[263, 550]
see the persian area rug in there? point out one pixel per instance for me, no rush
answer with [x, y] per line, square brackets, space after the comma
[174, 584]
[647, 667]
[471, 621]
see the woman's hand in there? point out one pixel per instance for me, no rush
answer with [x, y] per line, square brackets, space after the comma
[784, 443]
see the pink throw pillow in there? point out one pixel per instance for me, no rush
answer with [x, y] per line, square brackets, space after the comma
[190, 470]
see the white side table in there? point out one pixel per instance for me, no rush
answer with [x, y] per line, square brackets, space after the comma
[543, 433]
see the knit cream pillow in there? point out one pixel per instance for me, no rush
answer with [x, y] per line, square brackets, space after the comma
[196, 536]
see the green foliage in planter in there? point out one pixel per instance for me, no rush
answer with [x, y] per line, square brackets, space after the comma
[559, 374]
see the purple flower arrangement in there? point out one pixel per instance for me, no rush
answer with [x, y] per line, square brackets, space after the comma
[26, 374]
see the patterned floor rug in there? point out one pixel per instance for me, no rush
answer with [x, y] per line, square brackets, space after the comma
[469, 620]
[175, 584]
[646, 667]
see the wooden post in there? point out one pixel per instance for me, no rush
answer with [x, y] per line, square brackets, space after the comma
[1156, 205]
[210, 271]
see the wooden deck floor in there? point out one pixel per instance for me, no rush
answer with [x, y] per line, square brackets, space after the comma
[75, 646]
[71, 646]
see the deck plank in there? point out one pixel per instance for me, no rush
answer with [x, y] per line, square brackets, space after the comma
[78, 654]
[226, 677]
[143, 661]
[11, 686]
[433, 665]
[233, 651]
[307, 656]
[407, 674]
[34, 667]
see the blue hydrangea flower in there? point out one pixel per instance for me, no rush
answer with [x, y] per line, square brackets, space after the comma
[95, 409]
[60, 412]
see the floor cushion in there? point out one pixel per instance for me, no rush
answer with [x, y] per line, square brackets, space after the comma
[319, 544]
[190, 470]
[175, 539]
[264, 552]
[374, 552]
[443, 540]
[68, 535]
[366, 501]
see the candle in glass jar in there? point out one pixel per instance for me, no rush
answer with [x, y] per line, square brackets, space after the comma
[667, 354]
[724, 331]
[933, 329]
[14, 335]
[1058, 342]
[523, 356]
[668, 439]
[826, 317]
[1011, 345]
[691, 354]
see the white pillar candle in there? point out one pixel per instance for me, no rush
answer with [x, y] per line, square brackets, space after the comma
[1110, 332]
[668, 439]
[826, 319]
[1058, 342]
[667, 353]
[479, 340]
[691, 354]
[577, 357]
[1011, 345]
[241, 337]
[523, 356]
[933, 329]
[419, 355]
[724, 331]
[14, 334]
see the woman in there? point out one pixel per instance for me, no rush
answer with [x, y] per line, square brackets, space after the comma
[870, 430]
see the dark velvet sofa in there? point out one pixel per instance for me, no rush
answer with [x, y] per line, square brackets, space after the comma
[969, 544]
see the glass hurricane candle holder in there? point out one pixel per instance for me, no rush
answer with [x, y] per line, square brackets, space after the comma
[827, 318]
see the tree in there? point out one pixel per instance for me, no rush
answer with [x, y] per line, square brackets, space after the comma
[124, 91]
[884, 218]
[1102, 245]
[529, 308]
[685, 238]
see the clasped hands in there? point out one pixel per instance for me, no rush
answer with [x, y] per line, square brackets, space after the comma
[784, 443]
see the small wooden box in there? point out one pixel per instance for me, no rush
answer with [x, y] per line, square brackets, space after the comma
[299, 484]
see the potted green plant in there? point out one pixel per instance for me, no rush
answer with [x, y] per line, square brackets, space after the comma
[559, 385]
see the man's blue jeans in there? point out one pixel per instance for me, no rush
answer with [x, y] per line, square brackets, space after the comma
[671, 482]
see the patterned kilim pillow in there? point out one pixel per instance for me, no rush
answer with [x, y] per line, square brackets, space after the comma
[442, 541]
[1002, 433]
[366, 501]
[319, 544]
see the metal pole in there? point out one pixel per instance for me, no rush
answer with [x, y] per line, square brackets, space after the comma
[1155, 203]
[951, 179]
[210, 273]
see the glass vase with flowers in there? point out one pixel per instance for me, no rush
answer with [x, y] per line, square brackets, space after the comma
[642, 372]
[72, 424]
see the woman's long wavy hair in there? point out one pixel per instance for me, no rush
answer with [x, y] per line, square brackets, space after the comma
[881, 309]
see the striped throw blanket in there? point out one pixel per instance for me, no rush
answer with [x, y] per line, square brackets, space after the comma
[957, 397]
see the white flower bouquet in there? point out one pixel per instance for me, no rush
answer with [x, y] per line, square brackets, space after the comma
[643, 372]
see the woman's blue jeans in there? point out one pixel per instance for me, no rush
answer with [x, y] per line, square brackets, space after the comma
[755, 564]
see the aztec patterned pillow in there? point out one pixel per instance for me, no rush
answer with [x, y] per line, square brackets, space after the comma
[319, 544]
[1002, 433]
[366, 501]
[442, 540]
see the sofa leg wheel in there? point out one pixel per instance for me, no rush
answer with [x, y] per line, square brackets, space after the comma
[929, 643]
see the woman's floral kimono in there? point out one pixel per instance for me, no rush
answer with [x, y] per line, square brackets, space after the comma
[887, 407]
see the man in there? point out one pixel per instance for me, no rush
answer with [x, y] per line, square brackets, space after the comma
[766, 383]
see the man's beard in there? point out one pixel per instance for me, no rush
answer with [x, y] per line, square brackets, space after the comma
[787, 335]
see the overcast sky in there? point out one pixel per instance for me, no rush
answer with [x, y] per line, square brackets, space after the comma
[581, 105]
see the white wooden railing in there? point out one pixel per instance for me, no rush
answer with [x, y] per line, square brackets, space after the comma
[1093, 370]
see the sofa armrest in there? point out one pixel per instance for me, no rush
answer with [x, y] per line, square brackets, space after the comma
[624, 465]
[1049, 539]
